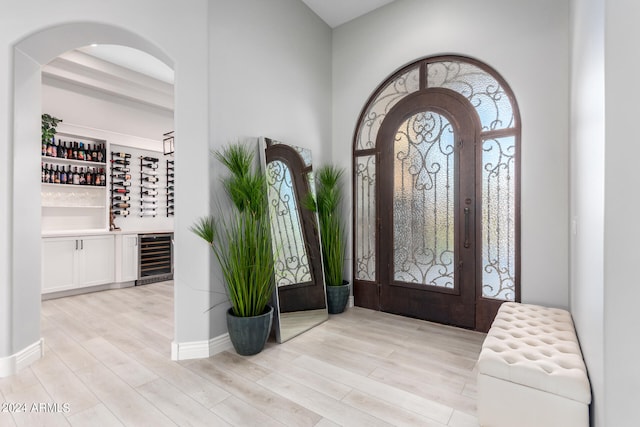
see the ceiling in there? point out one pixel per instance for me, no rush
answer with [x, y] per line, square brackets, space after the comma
[132, 59]
[337, 12]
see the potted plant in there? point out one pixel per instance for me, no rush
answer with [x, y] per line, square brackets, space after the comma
[49, 124]
[241, 242]
[328, 185]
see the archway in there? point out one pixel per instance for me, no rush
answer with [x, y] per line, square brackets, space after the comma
[30, 54]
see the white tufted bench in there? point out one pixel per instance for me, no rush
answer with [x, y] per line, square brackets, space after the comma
[531, 372]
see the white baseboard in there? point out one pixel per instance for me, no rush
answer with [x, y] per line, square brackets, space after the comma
[200, 349]
[350, 302]
[16, 362]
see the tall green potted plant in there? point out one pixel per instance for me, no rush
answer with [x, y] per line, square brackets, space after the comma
[328, 183]
[241, 243]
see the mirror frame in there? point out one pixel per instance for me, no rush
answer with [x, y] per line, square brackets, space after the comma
[303, 298]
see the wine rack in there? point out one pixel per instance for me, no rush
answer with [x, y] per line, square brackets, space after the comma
[74, 183]
[69, 162]
[170, 188]
[120, 183]
[149, 186]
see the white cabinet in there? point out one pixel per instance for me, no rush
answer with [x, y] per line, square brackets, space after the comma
[59, 264]
[126, 258]
[96, 266]
[76, 262]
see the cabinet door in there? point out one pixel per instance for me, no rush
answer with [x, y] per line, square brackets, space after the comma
[129, 258]
[59, 264]
[96, 260]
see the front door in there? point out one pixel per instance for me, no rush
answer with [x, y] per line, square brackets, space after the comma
[427, 208]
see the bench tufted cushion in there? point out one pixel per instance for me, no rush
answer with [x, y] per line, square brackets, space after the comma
[536, 347]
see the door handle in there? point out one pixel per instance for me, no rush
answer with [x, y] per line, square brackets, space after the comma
[467, 211]
[81, 244]
[76, 244]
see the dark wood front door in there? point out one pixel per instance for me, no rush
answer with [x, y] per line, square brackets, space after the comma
[427, 210]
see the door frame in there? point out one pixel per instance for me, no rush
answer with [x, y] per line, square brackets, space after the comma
[366, 286]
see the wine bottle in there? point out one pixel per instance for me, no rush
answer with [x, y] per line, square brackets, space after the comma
[122, 154]
[148, 200]
[87, 154]
[99, 155]
[121, 198]
[120, 169]
[150, 159]
[56, 176]
[151, 172]
[149, 192]
[103, 176]
[44, 148]
[122, 183]
[75, 151]
[54, 148]
[88, 177]
[124, 176]
[150, 178]
[121, 190]
[150, 165]
[45, 173]
[97, 178]
[121, 205]
[70, 175]
[76, 176]
[122, 212]
[120, 162]
[63, 176]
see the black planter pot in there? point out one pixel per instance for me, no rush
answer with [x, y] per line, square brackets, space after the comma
[337, 297]
[249, 334]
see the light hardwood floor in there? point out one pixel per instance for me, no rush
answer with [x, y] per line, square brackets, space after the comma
[108, 357]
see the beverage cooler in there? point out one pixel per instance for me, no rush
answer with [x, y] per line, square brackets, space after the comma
[155, 258]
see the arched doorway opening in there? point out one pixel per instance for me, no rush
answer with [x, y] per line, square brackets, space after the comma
[30, 55]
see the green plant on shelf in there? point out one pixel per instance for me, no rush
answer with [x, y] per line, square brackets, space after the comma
[49, 124]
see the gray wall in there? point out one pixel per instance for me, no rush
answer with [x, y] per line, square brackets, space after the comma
[587, 190]
[270, 71]
[621, 234]
[527, 43]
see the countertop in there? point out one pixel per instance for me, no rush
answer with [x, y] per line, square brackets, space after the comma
[99, 232]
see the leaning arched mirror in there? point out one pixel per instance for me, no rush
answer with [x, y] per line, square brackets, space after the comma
[300, 297]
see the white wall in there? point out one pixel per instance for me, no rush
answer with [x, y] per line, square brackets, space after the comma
[527, 43]
[587, 190]
[162, 28]
[270, 67]
[621, 234]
